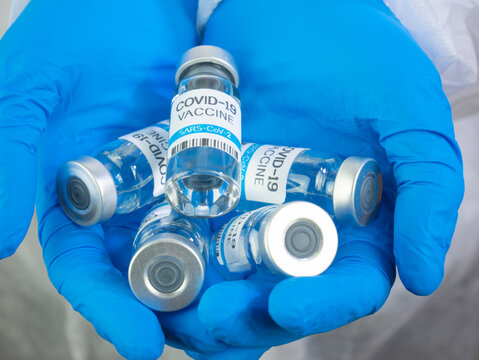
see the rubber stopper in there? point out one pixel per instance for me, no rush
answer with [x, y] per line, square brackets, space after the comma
[166, 276]
[369, 189]
[78, 193]
[303, 239]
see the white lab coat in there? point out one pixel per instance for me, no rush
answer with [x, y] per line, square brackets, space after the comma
[36, 323]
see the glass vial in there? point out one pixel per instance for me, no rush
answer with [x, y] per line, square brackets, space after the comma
[122, 176]
[203, 175]
[167, 268]
[293, 239]
[349, 189]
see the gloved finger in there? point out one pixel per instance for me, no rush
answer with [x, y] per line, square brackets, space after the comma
[81, 270]
[237, 313]
[184, 330]
[427, 166]
[230, 354]
[29, 91]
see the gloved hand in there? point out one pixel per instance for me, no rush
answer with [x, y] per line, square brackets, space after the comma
[347, 78]
[73, 76]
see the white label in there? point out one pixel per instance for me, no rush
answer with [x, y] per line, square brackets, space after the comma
[264, 171]
[230, 249]
[205, 117]
[153, 143]
[158, 212]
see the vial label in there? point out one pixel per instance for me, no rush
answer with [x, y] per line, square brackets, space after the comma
[230, 250]
[153, 143]
[160, 211]
[264, 171]
[205, 117]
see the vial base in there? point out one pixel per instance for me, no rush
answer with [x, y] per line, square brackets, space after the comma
[201, 191]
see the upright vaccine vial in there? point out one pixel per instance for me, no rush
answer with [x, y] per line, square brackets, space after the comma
[203, 175]
[122, 176]
[293, 239]
[349, 189]
[170, 251]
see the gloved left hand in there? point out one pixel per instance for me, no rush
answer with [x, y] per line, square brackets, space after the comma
[75, 75]
[346, 78]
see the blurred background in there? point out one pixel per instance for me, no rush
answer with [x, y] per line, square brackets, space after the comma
[37, 323]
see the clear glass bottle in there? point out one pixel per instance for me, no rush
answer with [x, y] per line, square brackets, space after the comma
[203, 175]
[294, 239]
[170, 253]
[122, 176]
[349, 189]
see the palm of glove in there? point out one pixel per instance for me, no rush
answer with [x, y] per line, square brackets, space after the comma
[346, 78]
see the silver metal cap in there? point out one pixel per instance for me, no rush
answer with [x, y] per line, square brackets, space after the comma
[299, 239]
[86, 191]
[208, 54]
[167, 274]
[357, 191]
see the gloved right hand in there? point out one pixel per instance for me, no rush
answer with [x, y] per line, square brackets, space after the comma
[73, 76]
[344, 77]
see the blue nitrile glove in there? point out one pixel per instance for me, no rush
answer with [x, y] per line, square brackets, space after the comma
[344, 77]
[75, 75]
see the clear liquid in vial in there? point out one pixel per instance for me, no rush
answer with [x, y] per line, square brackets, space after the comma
[349, 189]
[205, 134]
[122, 176]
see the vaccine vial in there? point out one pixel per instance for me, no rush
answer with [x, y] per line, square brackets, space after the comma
[349, 189]
[170, 251]
[203, 175]
[122, 176]
[293, 239]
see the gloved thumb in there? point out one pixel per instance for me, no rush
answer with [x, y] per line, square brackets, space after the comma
[29, 91]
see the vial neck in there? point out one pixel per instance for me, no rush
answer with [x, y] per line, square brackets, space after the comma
[207, 69]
